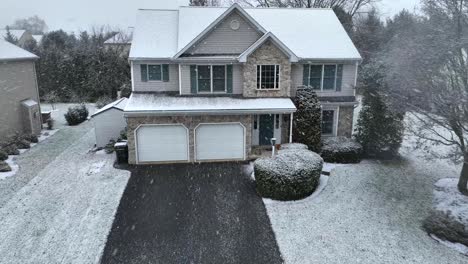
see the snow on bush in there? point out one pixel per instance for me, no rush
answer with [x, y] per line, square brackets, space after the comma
[293, 146]
[341, 150]
[3, 155]
[76, 115]
[307, 124]
[448, 219]
[290, 175]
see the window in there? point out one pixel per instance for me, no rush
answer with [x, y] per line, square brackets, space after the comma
[211, 78]
[328, 117]
[323, 76]
[268, 76]
[154, 72]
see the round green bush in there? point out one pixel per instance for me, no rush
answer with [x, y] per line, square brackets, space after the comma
[4, 167]
[290, 175]
[12, 149]
[341, 150]
[3, 155]
[23, 144]
[76, 115]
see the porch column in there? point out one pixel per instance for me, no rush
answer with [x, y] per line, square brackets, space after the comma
[291, 127]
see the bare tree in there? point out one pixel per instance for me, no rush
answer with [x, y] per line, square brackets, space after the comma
[428, 76]
[204, 2]
[350, 6]
[33, 24]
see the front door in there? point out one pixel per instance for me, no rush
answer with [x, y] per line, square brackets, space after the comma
[266, 129]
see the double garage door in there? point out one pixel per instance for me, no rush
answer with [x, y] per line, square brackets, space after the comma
[170, 143]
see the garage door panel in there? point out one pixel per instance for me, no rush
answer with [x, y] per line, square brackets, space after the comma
[161, 143]
[220, 142]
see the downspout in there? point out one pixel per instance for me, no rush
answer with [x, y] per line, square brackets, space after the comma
[291, 127]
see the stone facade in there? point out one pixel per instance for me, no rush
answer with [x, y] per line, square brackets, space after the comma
[269, 54]
[191, 122]
[345, 121]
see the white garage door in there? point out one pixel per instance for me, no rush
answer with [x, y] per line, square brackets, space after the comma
[162, 143]
[220, 142]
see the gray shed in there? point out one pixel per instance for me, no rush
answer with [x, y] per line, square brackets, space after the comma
[109, 121]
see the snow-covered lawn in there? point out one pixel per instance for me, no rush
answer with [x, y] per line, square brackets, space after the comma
[61, 109]
[64, 212]
[370, 212]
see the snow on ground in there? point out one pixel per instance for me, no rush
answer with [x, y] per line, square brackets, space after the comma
[370, 212]
[455, 246]
[61, 109]
[14, 168]
[64, 213]
[449, 200]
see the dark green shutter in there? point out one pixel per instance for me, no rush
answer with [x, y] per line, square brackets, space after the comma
[193, 79]
[165, 72]
[339, 77]
[305, 76]
[144, 72]
[229, 79]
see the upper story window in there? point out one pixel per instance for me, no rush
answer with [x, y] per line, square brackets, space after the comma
[323, 77]
[154, 72]
[268, 76]
[211, 78]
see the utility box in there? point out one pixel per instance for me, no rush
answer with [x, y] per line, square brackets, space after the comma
[121, 151]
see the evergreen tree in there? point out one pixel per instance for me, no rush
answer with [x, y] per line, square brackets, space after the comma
[9, 37]
[307, 124]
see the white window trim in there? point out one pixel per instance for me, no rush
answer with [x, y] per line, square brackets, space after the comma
[147, 72]
[211, 79]
[267, 89]
[336, 115]
[323, 76]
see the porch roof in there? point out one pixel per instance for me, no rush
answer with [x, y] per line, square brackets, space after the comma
[160, 104]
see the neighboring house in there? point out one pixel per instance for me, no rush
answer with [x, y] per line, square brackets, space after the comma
[109, 122]
[19, 96]
[121, 40]
[38, 38]
[21, 35]
[208, 84]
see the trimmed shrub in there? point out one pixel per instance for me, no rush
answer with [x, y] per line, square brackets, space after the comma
[379, 130]
[31, 138]
[76, 115]
[123, 135]
[290, 175]
[3, 155]
[293, 146]
[4, 167]
[103, 101]
[341, 150]
[23, 144]
[50, 124]
[307, 124]
[11, 149]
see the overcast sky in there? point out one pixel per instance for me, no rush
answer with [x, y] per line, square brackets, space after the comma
[83, 14]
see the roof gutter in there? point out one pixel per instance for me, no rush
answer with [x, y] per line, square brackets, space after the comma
[210, 112]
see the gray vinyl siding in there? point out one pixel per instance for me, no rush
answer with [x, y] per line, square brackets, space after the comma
[237, 79]
[224, 40]
[156, 86]
[347, 88]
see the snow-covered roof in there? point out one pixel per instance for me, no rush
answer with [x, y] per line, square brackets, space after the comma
[29, 102]
[118, 104]
[17, 33]
[124, 37]
[38, 38]
[151, 103]
[308, 33]
[9, 52]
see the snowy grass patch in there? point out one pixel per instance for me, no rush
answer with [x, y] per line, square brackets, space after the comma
[14, 168]
[455, 246]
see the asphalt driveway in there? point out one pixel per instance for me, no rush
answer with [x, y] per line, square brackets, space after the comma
[207, 213]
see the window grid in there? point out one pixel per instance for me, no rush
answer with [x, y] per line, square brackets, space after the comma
[154, 72]
[268, 76]
[314, 79]
[211, 78]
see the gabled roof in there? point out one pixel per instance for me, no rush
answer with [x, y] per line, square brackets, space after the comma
[10, 52]
[17, 33]
[308, 33]
[118, 104]
[275, 40]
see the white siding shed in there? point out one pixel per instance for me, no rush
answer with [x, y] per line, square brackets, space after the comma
[109, 121]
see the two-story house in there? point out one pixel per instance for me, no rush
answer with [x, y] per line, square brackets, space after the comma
[208, 84]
